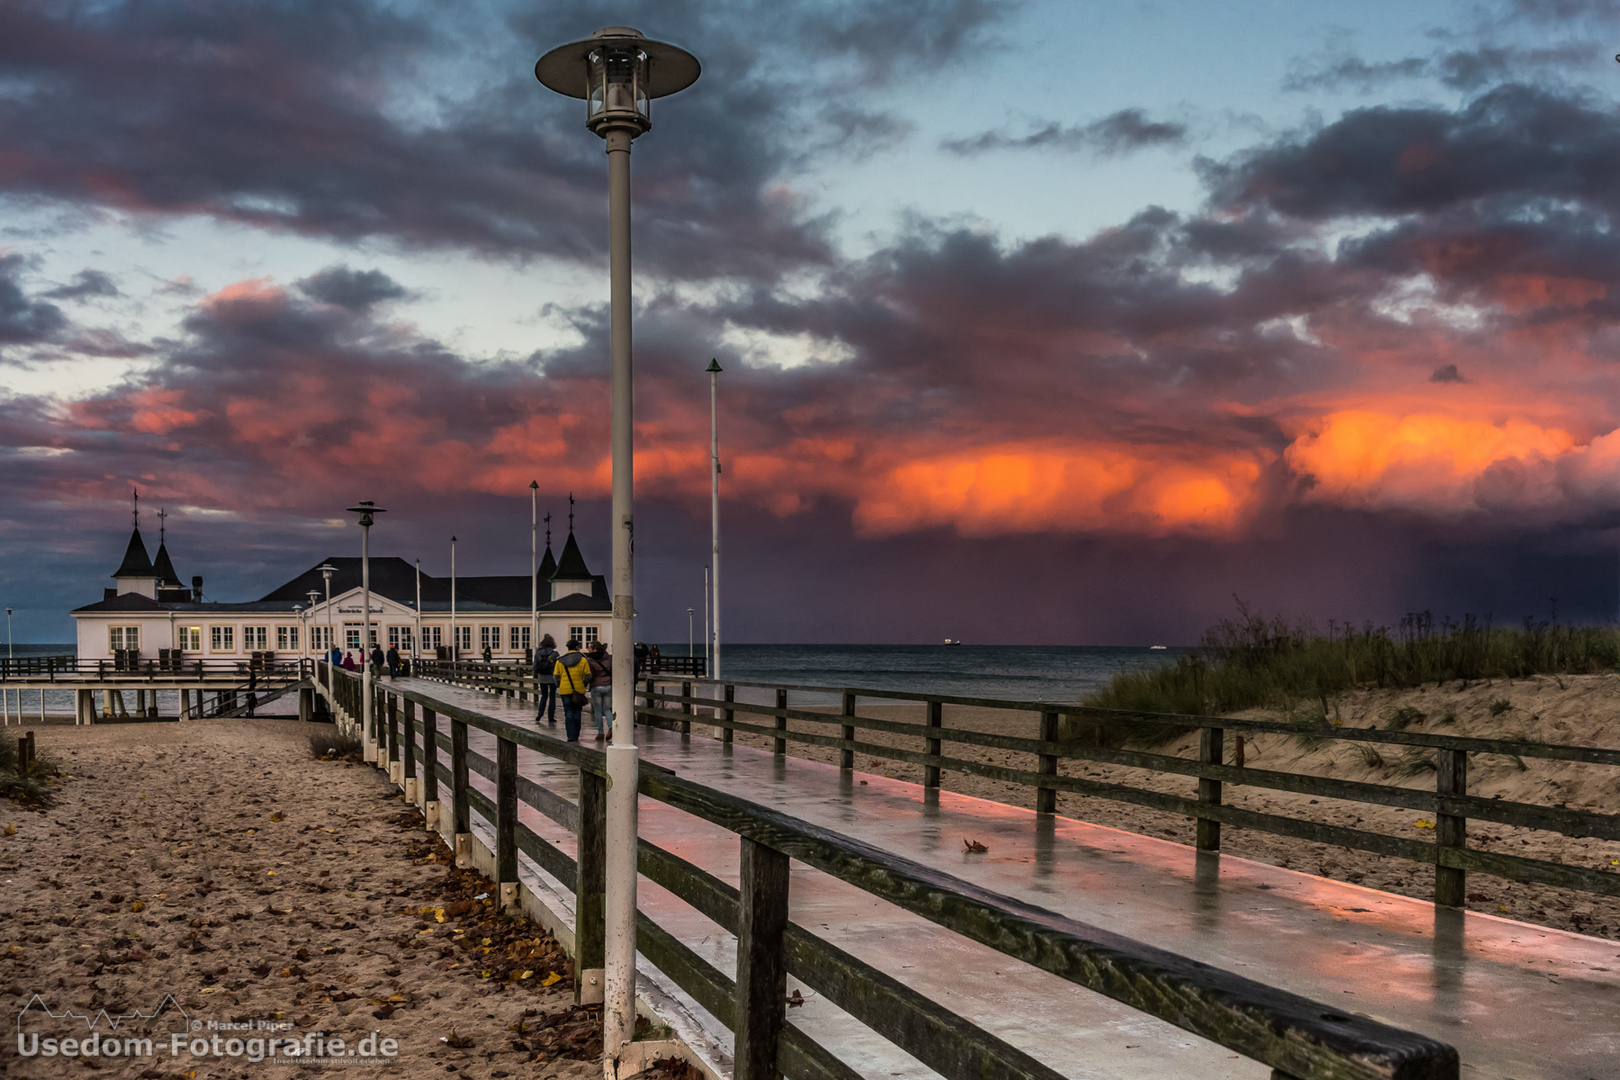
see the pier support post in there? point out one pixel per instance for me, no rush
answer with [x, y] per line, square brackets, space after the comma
[409, 751]
[1045, 797]
[779, 746]
[936, 720]
[1450, 830]
[430, 769]
[306, 704]
[84, 706]
[395, 771]
[686, 708]
[460, 809]
[590, 890]
[846, 756]
[506, 819]
[762, 918]
[730, 733]
[1209, 791]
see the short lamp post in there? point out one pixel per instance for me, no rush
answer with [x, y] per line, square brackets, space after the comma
[366, 509]
[327, 570]
[618, 72]
[309, 622]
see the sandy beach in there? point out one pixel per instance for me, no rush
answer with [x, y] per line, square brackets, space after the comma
[1581, 710]
[218, 862]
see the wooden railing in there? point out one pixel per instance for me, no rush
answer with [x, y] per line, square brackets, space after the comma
[1055, 741]
[166, 669]
[427, 738]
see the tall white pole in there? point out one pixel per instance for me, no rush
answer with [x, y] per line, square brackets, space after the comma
[623, 756]
[714, 370]
[365, 634]
[689, 651]
[534, 566]
[708, 642]
[455, 637]
[416, 649]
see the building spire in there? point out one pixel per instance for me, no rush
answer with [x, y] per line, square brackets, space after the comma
[548, 528]
[570, 513]
[163, 515]
[135, 494]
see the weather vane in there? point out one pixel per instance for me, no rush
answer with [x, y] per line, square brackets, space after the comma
[135, 494]
[570, 513]
[163, 515]
[548, 528]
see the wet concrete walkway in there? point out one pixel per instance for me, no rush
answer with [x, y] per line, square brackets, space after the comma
[1520, 1002]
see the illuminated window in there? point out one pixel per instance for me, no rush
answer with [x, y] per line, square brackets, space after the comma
[191, 638]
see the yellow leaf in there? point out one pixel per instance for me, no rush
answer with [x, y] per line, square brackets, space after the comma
[551, 980]
[277, 816]
[139, 905]
[526, 975]
[1421, 824]
[269, 873]
[486, 941]
[11, 830]
[485, 974]
[438, 914]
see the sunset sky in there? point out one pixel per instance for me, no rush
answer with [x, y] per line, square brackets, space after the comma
[1047, 321]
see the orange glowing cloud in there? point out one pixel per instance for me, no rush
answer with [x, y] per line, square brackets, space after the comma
[1362, 457]
[1088, 487]
[158, 411]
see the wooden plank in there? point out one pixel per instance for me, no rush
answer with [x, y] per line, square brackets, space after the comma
[1046, 765]
[546, 856]
[1451, 830]
[846, 757]
[506, 811]
[393, 726]
[458, 773]
[762, 916]
[590, 890]
[1209, 791]
[1283, 1030]
[410, 739]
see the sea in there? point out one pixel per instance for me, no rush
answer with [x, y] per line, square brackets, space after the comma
[1057, 673]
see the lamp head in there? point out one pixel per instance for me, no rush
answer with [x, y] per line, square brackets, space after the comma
[714, 367]
[327, 570]
[617, 71]
[366, 509]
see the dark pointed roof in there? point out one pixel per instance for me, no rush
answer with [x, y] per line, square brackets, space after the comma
[571, 567]
[391, 576]
[164, 568]
[548, 565]
[136, 562]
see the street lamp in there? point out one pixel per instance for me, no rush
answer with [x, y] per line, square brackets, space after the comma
[455, 635]
[618, 72]
[689, 652]
[365, 509]
[327, 570]
[534, 566]
[714, 369]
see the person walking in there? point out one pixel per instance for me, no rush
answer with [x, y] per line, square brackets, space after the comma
[545, 680]
[573, 674]
[377, 661]
[335, 657]
[393, 661]
[601, 689]
[348, 661]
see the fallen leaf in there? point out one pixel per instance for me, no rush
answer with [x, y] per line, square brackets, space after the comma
[11, 830]
[795, 999]
[277, 816]
[551, 980]
[973, 846]
[1420, 823]
[139, 905]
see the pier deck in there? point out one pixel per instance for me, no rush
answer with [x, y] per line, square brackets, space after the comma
[1519, 1001]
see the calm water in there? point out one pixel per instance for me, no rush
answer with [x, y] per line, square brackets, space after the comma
[1061, 673]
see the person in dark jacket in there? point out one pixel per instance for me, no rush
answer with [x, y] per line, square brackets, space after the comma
[393, 660]
[545, 680]
[377, 661]
[348, 662]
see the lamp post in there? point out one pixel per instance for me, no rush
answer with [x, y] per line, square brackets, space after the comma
[617, 71]
[689, 651]
[366, 508]
[534, 567]
[455, 636]
[416, 642]
[309, 617]
[714, 370]
[327, 570]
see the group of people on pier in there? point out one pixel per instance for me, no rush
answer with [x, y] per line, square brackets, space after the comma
[576, 678]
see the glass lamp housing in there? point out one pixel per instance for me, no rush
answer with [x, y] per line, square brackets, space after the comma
[617, 71]
[617, 76]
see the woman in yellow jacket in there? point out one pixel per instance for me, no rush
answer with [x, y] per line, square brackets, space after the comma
[573, 673]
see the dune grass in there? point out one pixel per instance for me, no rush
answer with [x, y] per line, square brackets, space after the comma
[1254, 662]
[30, 785]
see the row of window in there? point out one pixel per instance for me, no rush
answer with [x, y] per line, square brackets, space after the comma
[257, 638]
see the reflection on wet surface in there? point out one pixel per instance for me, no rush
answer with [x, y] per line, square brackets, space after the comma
[1518, 1001]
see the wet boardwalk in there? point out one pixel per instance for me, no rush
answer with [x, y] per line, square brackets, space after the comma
[1520, 1002]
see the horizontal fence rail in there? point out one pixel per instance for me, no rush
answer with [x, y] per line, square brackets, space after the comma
[166, 669]
[423, 740]
[1449, 802]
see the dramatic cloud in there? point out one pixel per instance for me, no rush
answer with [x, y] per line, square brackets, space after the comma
[24, 321]
[356, 290]
[1118, 133]
[86, 283]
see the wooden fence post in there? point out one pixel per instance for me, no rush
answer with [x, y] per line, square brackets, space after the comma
[411, 784]
[1450, 830]
[590, 890]
[762, 917]
[936, 719]
[1045, 797]
[729, 735]
[506, 815]
[430, 768]
[460, 809]
[846, 756]
[1209, 791]
[686, 708]
[395, 774]
[652, 688]
[780, 746]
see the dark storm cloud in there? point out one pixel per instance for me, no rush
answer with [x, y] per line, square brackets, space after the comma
[24, 321]
[1331, 73]
[1446, 373]
[1117, 133]
[86, 283]
[304, 117]
[356, 290]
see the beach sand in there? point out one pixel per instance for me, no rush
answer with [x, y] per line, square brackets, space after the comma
[1580, 710]
[218, 862]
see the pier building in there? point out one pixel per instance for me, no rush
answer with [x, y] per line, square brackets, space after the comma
[150, 614]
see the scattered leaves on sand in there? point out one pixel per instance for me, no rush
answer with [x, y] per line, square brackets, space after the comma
[973, 846]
